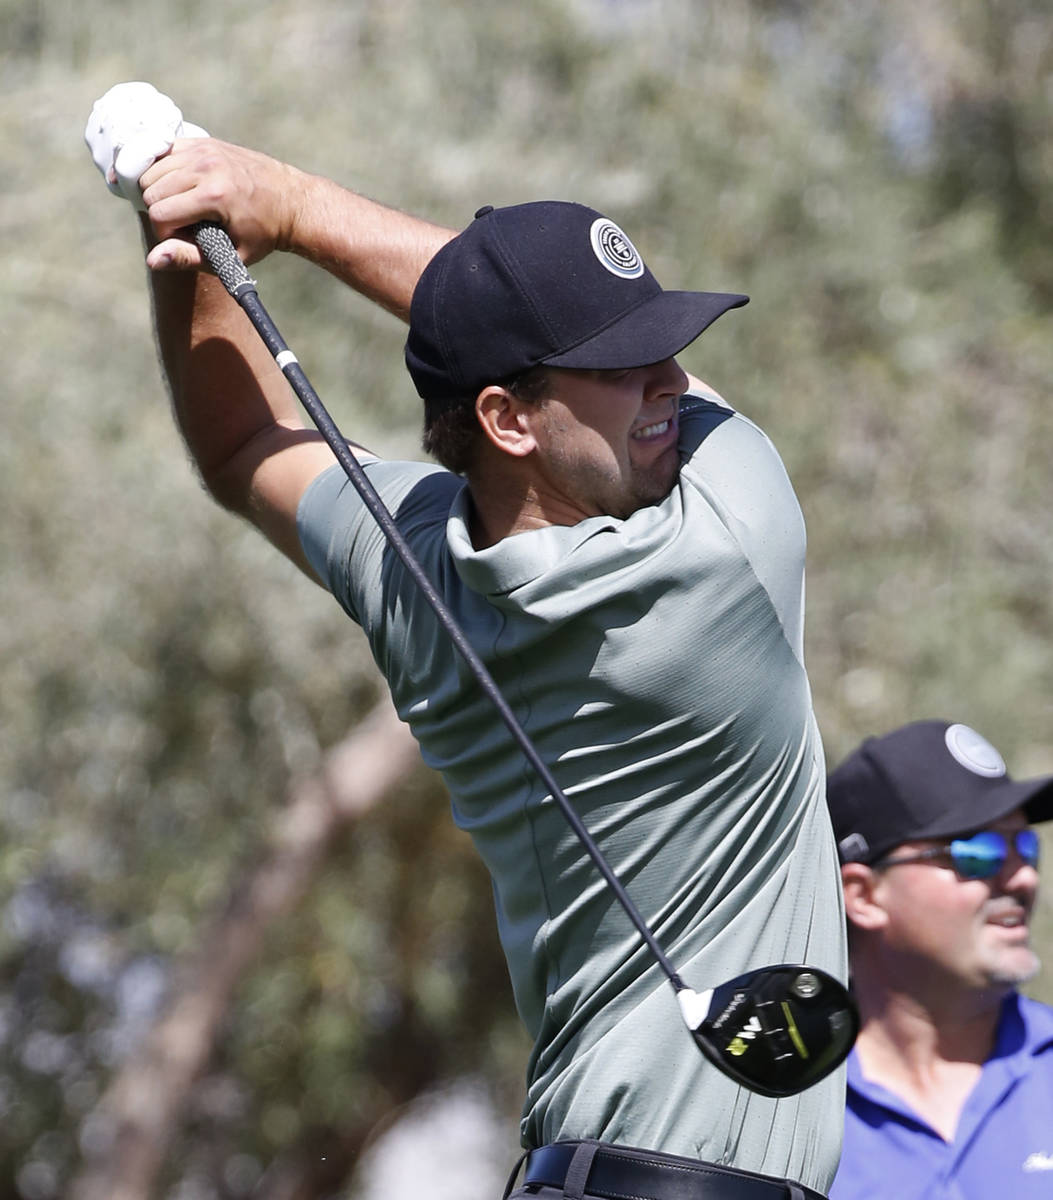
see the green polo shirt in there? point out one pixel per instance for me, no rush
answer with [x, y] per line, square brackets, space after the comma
[657, 664]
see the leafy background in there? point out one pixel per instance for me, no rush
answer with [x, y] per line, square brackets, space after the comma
[876, 175]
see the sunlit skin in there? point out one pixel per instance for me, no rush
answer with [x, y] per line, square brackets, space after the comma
[608, 439]
[601, 443]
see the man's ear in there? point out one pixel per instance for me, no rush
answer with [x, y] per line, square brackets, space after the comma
[862, 905]
[505, 420]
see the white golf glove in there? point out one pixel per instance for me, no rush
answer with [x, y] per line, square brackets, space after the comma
[129, 127]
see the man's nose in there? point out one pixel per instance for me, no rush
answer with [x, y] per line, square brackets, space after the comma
[668, 377]
[1017, 874]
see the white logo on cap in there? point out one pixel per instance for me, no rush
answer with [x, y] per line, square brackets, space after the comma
[614, 250]
[974, 752]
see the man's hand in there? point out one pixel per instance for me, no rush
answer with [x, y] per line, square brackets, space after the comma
[254, 197]
[129, 127]
[177, 176]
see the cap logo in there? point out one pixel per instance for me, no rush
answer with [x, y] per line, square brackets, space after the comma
[614, 250]
[974, 752]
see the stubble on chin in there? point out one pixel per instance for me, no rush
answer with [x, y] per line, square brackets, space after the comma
[656, 485]
[1003, 975]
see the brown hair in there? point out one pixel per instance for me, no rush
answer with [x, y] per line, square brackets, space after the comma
[452, 431]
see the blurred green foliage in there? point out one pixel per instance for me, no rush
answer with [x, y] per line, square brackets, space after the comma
[877, 177]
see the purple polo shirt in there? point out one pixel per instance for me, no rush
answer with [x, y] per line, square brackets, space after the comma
[1002, 1149]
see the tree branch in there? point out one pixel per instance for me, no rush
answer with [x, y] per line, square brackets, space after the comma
[137, 1116]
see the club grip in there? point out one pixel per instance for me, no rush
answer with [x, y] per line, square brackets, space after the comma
[218, 251]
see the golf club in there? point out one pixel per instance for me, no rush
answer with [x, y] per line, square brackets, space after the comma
[776, 1030]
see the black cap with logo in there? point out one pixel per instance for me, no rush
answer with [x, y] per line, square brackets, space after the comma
[930, 779]
[546, 282]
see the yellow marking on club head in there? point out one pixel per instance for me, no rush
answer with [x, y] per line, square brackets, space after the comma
[794, 1032]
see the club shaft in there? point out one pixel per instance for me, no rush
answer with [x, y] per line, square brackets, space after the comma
[220, 254]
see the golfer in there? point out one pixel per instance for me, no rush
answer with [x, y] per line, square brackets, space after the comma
[626, 554]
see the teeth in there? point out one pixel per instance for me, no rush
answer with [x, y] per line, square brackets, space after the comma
[652, 430]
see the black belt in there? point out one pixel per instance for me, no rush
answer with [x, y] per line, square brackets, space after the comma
[623, 1173]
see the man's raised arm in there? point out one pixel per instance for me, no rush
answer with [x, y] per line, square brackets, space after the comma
[268, 205]
[241, 422]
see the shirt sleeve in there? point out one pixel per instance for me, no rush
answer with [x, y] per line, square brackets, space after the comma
[734, 464]
[341, 537]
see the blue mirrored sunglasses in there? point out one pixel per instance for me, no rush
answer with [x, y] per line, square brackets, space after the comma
[981, 856]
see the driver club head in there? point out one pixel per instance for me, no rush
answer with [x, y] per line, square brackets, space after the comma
[779, 1029]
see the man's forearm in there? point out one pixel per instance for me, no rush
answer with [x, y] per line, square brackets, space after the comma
[225, 386]
[266, 205]
[377, 250]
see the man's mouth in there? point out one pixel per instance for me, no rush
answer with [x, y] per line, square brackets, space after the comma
[1010, 919]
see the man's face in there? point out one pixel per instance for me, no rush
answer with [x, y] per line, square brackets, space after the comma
[607, 440]
[974, 931]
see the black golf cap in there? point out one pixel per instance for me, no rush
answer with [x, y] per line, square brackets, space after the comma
[930, 779]
[546, 282]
